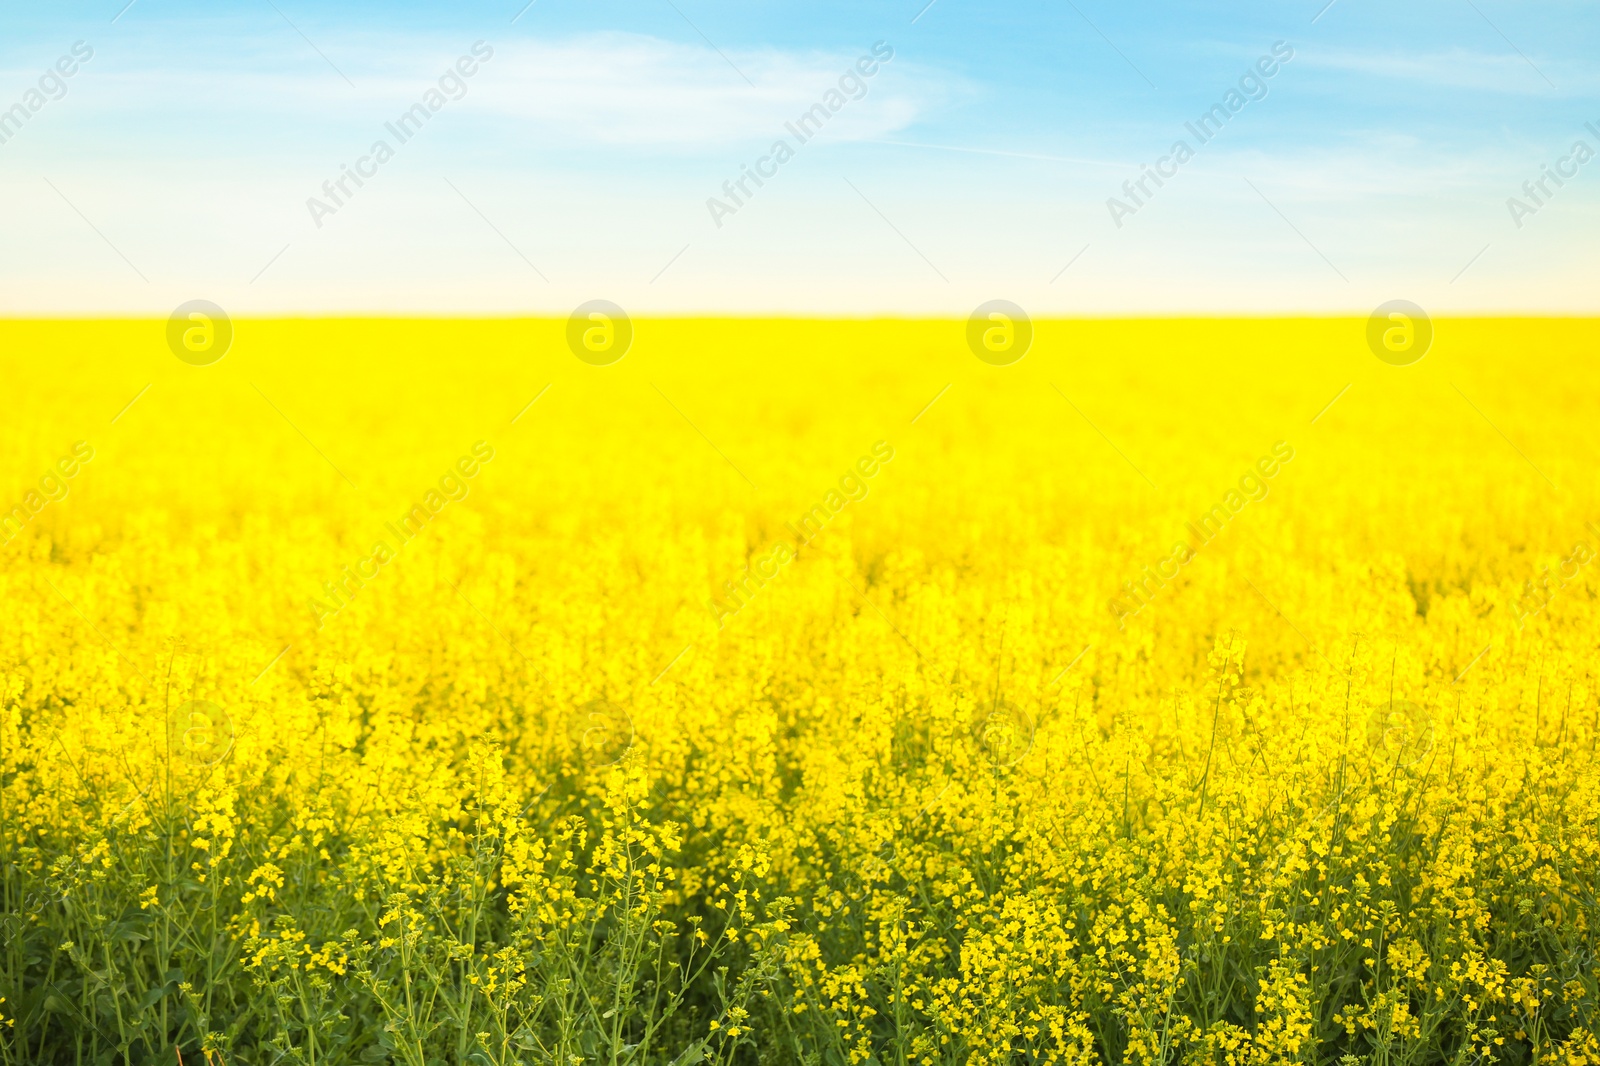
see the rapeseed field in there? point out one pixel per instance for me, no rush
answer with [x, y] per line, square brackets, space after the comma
[418, 692]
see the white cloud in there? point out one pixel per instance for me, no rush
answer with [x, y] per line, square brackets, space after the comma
[1455, 68]
[627, 89]
[612, 88]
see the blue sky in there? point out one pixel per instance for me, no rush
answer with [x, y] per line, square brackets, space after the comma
[977, 163]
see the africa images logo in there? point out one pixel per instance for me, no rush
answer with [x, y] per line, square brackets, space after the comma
[1251, 86]
[451, 85]
[853, 82]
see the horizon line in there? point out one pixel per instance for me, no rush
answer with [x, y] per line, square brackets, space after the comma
[728, 316]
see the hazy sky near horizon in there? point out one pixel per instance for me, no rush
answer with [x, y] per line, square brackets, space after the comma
[187, 157]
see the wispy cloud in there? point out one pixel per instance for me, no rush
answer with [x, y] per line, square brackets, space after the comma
[1455, 68]
[642, 90]
[610, 88]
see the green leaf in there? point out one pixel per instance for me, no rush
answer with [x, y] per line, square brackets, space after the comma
[130, 932]
[691, 1054]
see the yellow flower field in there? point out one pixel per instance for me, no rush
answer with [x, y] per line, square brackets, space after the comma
[799, 692]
